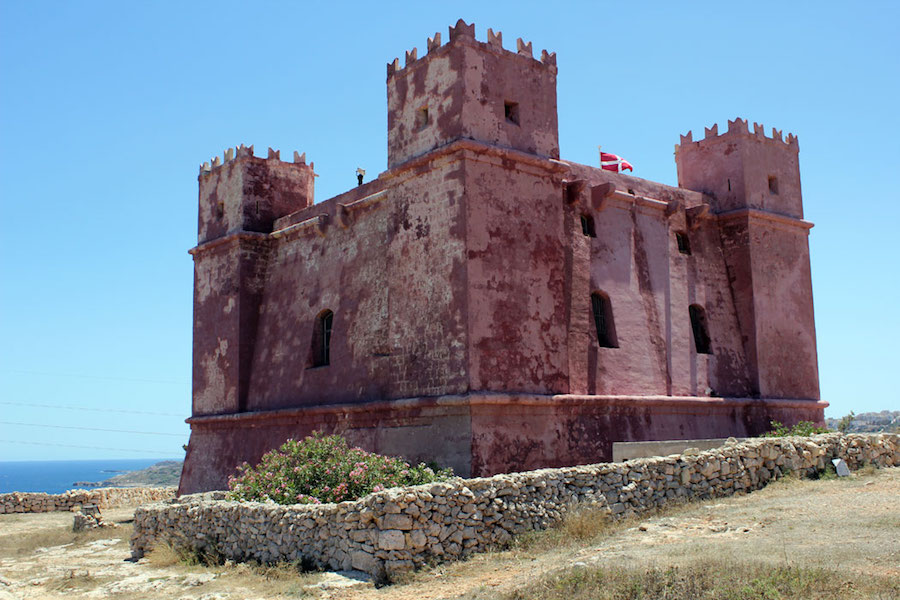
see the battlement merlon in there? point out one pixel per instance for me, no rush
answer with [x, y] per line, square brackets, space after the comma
[742, 169]
[738, 128]
[461, 33]
[241, 192]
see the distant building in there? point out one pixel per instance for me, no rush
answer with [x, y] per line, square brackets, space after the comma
[492, 307]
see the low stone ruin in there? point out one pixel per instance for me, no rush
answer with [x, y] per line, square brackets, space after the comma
[87, 517]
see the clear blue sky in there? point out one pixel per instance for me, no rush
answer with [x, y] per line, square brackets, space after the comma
[108, 108]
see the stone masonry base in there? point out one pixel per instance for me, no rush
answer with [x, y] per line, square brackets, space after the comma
[483, 434]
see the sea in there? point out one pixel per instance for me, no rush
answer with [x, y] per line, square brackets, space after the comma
[57, 476]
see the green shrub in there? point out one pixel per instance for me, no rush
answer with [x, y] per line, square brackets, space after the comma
[803, 428]
[322, 468]
[845, 422]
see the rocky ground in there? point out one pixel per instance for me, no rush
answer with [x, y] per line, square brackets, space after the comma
[850, 527]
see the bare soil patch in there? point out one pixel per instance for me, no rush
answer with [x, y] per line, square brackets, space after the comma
[847, 529]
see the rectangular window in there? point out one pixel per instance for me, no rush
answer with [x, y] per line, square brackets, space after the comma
[422, 117]
[587, 226]
[511, 111]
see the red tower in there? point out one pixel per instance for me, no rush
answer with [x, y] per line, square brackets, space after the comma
[483, 303]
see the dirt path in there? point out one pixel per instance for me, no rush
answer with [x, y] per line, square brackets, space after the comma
[848, 525]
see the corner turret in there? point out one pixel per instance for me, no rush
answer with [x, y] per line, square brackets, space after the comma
[242, 192]
[753, 183]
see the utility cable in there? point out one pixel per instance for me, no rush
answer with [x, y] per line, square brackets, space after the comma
[82, 376]
[84, 408]
[158, 453]
[180, 435]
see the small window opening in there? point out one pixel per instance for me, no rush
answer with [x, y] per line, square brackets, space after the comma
[684, 243]
[422, 117]
[511, 111]
[220, 210]
[729, 185]
[587, 226]
[603, 320]
[773, 184]
[700, 329]
[321, 346]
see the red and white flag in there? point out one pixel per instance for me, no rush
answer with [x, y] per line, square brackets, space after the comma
[612, 162]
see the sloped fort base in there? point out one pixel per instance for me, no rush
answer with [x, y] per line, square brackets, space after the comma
[489, 306]
[483, 434]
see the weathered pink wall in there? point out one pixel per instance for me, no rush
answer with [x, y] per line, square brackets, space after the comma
[394, 278]
[516, 283]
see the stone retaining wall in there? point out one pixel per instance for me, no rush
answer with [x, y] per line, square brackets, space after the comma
[403, 528]
[31, 502]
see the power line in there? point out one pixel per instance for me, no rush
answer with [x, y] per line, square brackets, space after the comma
[158, 453]
[181, 435]
[82, 376]
[84, 408]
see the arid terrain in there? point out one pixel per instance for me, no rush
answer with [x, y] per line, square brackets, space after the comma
[839, 537]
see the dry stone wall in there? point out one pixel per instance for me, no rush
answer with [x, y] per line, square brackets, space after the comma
[403, 528]
[31, 502]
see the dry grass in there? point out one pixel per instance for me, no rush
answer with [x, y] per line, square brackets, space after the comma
[20, 545]
[281, 580]
[706, 581]
[583, 525]
[74, 581]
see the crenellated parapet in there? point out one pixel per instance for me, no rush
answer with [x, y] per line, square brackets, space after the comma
[242, 151]
[739, 128]
[743, 168]
[464, 31]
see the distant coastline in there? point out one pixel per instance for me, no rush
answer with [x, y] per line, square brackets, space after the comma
[56, 477]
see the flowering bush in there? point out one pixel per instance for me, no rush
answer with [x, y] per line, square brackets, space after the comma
[322, 468]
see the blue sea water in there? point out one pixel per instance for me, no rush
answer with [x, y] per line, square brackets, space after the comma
[57, 476]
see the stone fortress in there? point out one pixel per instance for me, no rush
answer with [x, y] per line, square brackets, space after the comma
[488, 305]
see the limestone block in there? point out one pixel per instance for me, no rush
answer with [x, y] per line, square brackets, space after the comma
[397, 521]
[841, 467]
[391, 539]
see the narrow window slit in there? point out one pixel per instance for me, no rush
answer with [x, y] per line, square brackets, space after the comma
[603, 320]
[321, 346]
[700, 329]
[684, 243]
[587, 226]
[773, 184]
